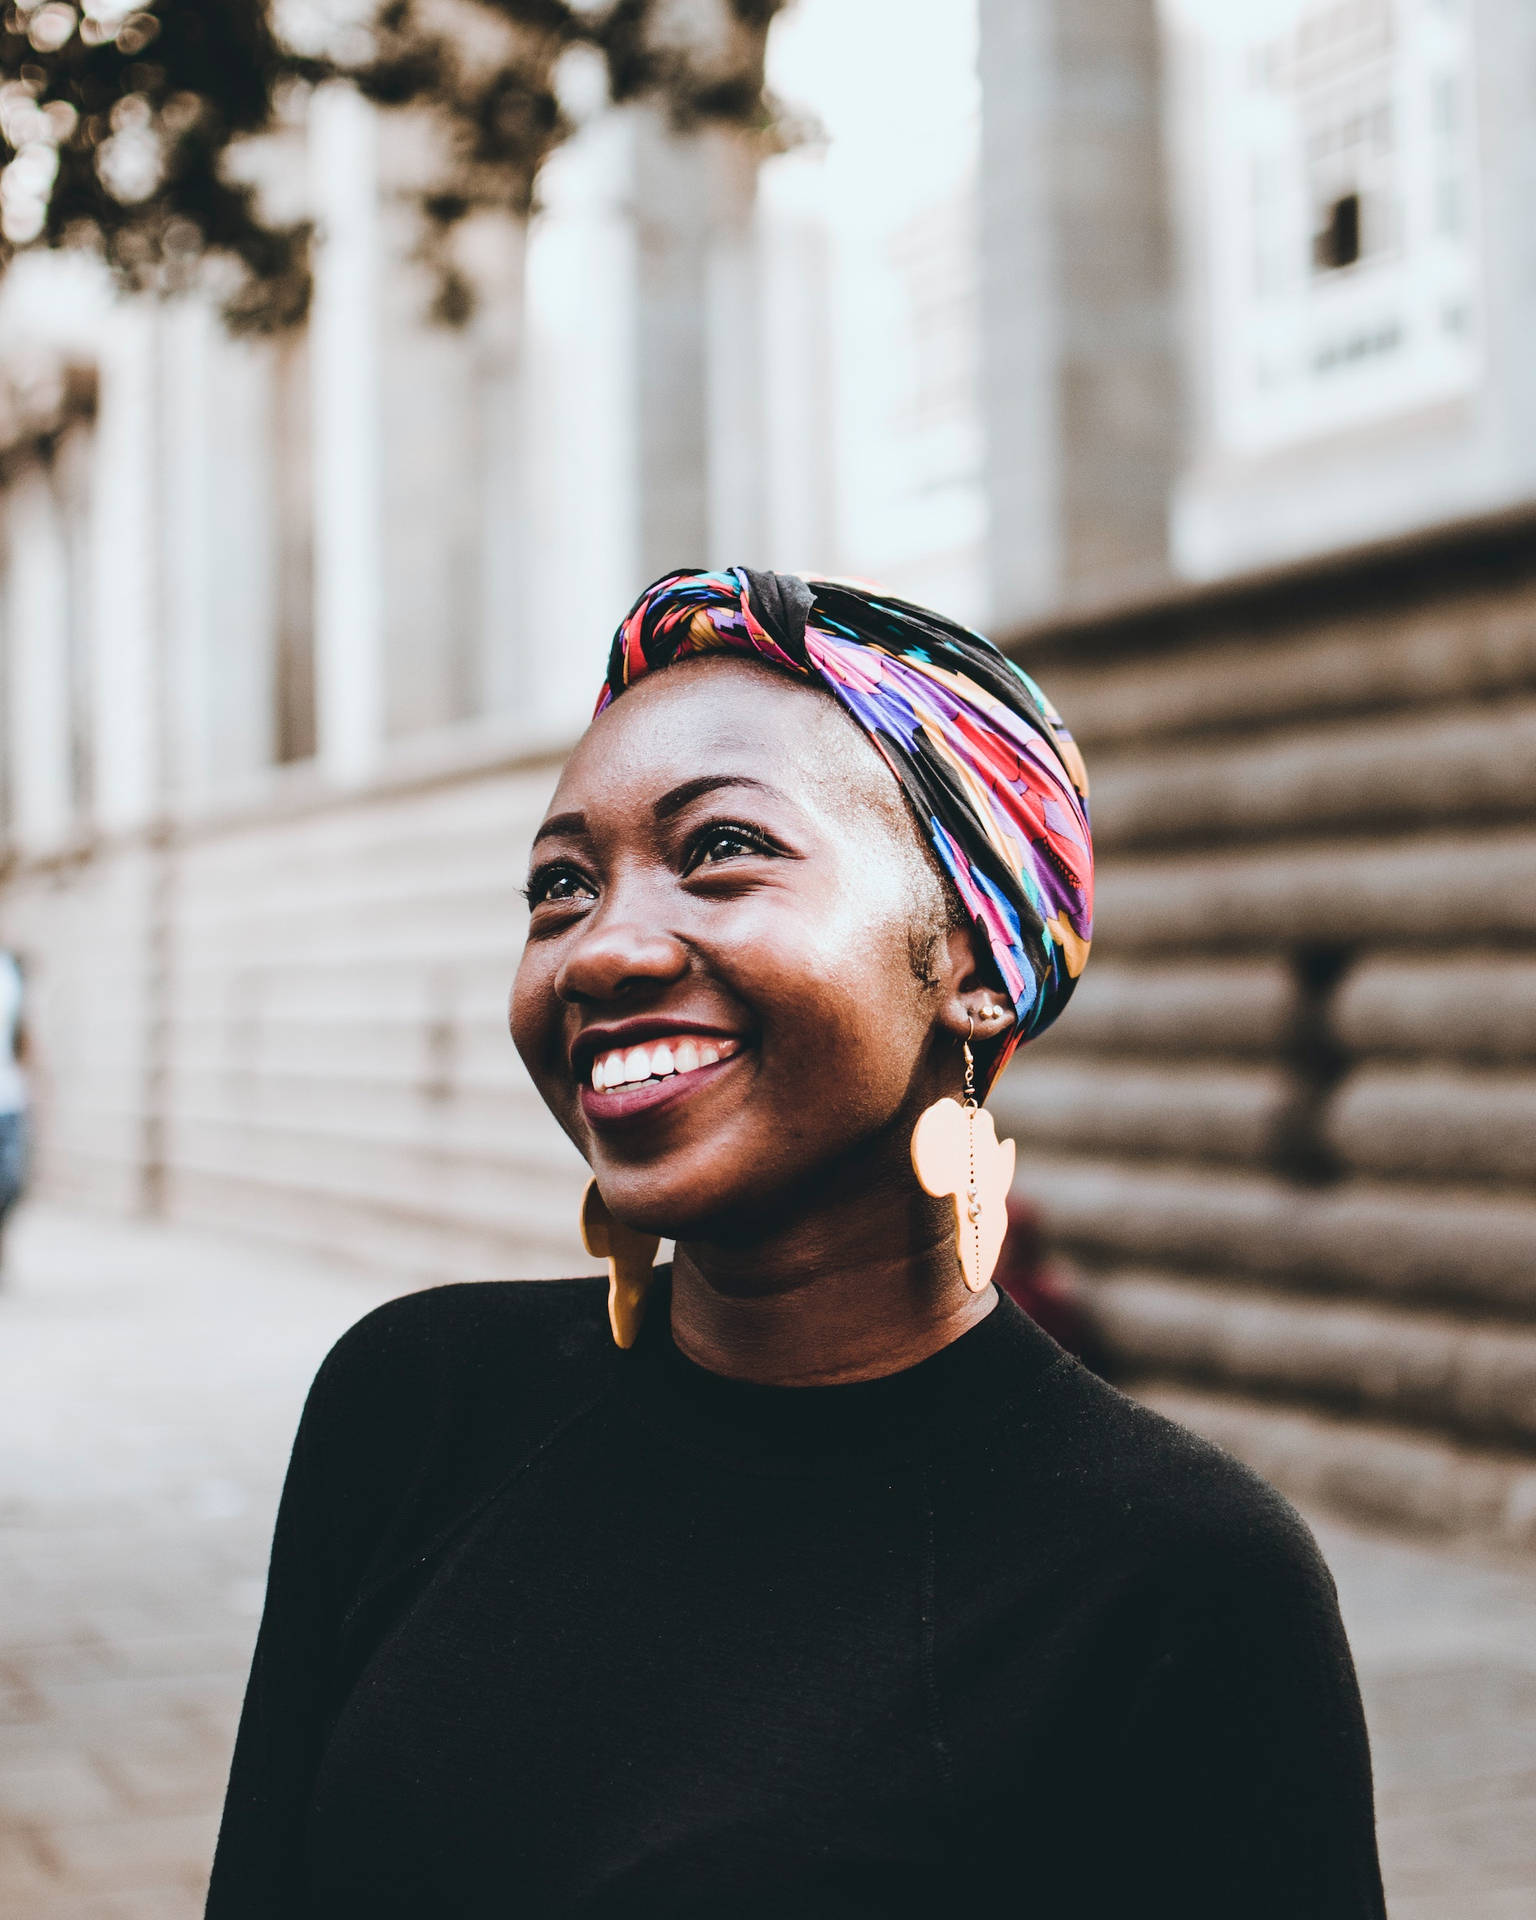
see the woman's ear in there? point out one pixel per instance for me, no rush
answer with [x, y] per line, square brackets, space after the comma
[973, 1002]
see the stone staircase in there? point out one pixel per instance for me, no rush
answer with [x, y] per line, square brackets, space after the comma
[1286, 1133]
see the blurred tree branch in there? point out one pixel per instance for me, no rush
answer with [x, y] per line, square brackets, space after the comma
[121, 123]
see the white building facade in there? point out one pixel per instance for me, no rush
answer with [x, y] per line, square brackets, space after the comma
[1353, 181]
[250, 553]
[1065, 302]
[1060, 303]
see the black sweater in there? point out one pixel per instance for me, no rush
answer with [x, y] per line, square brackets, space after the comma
[555, 1629]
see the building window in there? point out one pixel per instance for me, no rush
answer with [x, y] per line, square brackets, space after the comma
[1337, 243]
[1338, 201]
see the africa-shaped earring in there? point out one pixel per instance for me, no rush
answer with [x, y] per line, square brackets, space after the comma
[956, 1152]
[631, 1259]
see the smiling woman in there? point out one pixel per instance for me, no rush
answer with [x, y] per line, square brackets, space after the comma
[809, 1577]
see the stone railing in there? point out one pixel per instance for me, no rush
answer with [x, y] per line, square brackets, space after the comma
[1286, 1133]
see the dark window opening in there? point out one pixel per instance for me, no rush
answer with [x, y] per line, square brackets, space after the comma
[1338, 245]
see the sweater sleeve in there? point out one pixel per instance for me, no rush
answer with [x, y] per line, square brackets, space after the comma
[1242, 1760]
[358, 1442]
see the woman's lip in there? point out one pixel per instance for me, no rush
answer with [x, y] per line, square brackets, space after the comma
[648, 1097]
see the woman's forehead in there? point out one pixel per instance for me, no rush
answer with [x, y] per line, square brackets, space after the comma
[721, 717]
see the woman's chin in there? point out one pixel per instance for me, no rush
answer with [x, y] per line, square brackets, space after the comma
[683, 1197]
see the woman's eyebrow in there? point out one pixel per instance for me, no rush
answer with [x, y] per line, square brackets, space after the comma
[671, 803]
[677, 798]
[559, 824]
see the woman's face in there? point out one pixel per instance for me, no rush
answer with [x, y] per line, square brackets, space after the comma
[721, 997]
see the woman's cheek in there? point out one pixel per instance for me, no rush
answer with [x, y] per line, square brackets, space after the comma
[534, 1018]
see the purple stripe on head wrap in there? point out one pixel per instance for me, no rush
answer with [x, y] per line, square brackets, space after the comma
[992, 775]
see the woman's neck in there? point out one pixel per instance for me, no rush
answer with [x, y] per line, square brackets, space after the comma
[849, 1293]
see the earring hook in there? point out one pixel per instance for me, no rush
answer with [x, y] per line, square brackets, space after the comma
[970, 1063]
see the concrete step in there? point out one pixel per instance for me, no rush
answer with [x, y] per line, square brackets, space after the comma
[1166, 1007]
[1473, 1005]
[100, 1183]
[484, 817]
[509, 1126]
[389, 985]
[404, 1177]
[1478, 1006]
[1370, 1471]
[397, 1049]
[1415, 889]
[1380, 1119]
[1416, 1241]
[1390, 772]
[365, 1230]
[1475, 1379]
[1453, 649]
[1211, 1111]
[1422, 1120]
[476, 919]
[426, 1056]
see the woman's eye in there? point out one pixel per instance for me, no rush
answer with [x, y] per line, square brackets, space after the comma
[554, 885]
[724, 843]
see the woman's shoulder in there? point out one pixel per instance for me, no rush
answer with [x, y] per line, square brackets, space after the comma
[423, 1405]
[484, 1361]
[467, 1312]
[1165, 1496]
[445, 1337]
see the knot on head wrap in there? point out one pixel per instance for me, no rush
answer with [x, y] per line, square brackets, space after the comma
[991, 773]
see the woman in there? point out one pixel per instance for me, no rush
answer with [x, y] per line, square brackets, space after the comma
[810, 1579]
[15, 1096]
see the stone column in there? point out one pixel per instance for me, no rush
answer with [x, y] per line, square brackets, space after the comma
[497, 343]
[125, 652]
[186, 562]
[799, 417]
[640, 396]
[499, 680]
[1080, 387]
[38, 691]
[349, 690]
[580, 520]
[736, 508]
[242, 597]
[673, 209]
[216, 549]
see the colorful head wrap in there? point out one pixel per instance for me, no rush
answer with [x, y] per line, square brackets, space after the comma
[993, 776]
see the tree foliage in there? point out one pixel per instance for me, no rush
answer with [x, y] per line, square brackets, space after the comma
[121, 123]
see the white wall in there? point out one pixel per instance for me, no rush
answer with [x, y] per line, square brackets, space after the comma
[881, 383]
[37, 623]
[1352, 405]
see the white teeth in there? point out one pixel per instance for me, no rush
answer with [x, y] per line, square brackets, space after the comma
[629, 1066]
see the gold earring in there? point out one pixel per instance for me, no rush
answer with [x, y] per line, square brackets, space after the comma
[956, 1152]
[630, 1256]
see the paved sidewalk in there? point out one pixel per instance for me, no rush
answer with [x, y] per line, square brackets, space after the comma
[149, 1385]
[150, 1382]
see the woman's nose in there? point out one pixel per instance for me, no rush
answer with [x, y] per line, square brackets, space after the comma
[620, 948]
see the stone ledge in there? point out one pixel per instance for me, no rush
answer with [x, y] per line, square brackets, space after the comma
[1362, 1358]
[1416, 889]
[1409, 1240]
[1379, 1474]
[1420, 770]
